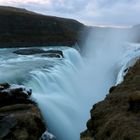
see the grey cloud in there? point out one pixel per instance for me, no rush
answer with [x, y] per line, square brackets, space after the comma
[108, 12]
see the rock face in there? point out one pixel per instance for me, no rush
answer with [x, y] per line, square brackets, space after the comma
[49, 53]
[118, 116]
[20, 118]
[22, 28]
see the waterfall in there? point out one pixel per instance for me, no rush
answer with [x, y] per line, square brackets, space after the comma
[55, 91]
[66, 92]
[65, 89]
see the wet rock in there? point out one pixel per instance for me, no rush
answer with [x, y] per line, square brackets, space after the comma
[126, 70]
[7, 122]
[54, 53]
[112, 89]
[12, 94]
[28, 51]
[117, 117]
[4, 86]
[20, 118]
[47, 136]
[21, 122]
[49, 53]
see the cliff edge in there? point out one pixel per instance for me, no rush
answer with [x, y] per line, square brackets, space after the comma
[20, 118]
[117, 117]
[23, 28]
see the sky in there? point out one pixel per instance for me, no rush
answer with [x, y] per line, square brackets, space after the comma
[89, 12]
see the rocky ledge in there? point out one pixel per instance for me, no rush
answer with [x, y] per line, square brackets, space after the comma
[117, 117]
[48, 53]
[20, 118]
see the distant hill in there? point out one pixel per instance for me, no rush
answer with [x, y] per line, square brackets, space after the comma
[20, 28]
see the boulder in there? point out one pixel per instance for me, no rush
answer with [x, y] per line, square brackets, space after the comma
[13, 94]
[29, 51]
[49, 53]
[20, 118]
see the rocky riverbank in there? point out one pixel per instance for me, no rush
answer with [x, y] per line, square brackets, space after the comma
[117, 117]
[20, 118]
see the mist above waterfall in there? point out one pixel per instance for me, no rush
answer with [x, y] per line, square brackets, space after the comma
[65, 89]
[103, 50]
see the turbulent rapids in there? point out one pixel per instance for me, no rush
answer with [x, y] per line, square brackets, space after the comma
[66, 88]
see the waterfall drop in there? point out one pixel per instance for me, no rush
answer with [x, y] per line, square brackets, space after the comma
[66, 88]
[66, 92]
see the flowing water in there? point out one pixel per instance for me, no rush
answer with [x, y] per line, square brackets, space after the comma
[66, 88]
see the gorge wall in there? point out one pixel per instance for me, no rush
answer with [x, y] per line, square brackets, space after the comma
[20, 28]
[117, 117]
[20, 118]
[23, 28]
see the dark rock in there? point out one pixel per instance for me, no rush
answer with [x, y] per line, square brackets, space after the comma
[23, 28]
[29, 51]
[126, 70]
[20, 118]
[57, 52]
[53, 54]
[4, 86]
[112, 89]
[21, 122]
[6, 124]
[29, 92]
[14, 95]
[49, 53]
[118, 116]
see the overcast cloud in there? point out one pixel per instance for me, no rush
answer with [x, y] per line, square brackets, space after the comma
[91, 12]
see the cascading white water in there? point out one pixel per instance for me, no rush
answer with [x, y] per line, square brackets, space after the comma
[55, 91]
[66, 89]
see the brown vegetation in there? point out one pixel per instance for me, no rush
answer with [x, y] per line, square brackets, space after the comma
[19, 28]
[118, 116]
